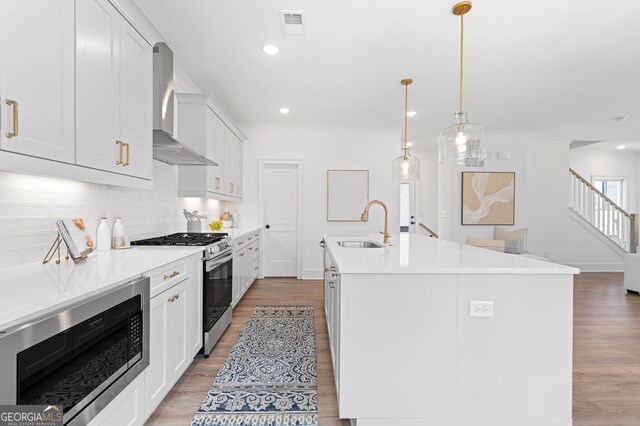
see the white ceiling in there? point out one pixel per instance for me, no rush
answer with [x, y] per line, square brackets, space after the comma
[551, 67]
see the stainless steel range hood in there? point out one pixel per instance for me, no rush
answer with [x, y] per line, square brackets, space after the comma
[166, 147]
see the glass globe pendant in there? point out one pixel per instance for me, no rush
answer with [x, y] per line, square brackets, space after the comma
[461, 143]
[405, 166]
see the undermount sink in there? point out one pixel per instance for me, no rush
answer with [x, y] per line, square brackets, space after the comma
[360, 244]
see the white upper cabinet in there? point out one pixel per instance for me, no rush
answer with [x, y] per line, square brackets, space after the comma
[136, 100]
[37, 78]
[97, 85]
[201, 129]
[113, 92]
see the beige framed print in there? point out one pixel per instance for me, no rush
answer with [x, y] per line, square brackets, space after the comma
[488, 198]
[347, 194]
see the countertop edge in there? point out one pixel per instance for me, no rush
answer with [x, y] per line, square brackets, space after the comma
[43, 309]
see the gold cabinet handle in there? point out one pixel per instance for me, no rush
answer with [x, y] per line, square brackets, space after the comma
[120, 159]
[241, 254]
[256, 268]
[171, 275]
[128, 153]
[15, 117]
[238, 189]
[171, 299]
[217, 183]
[231, 187]
[332, 284]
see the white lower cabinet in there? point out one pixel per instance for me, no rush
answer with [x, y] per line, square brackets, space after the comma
[127, 409]
[175, 334]
[246, 264]
[332, 312]
[175, 337]
[168, 343]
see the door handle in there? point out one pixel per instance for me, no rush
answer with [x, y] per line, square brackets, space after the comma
[267, 226]
[15, 117]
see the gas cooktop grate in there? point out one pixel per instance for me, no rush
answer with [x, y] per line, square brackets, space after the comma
[182, 239]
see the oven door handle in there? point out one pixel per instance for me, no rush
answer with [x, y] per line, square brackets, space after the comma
[212, 264]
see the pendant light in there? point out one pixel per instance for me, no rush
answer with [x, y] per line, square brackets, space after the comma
[461, 143]
[406, 166]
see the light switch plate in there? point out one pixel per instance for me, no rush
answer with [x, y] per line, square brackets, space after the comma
[444, 213]
[481, 309]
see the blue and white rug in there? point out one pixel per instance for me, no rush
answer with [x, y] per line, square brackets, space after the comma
[269, 377]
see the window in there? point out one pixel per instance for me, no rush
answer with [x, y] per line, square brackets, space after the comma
[611, 187]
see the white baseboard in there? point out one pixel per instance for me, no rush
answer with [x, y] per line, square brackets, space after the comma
[597, 267]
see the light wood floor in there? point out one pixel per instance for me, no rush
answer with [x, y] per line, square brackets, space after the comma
[606, 352]
[186, 396]
[606, 374]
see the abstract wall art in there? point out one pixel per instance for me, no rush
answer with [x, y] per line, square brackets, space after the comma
[488, 198]
[347, 194]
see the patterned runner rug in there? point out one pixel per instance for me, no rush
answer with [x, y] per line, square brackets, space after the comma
[269, 377]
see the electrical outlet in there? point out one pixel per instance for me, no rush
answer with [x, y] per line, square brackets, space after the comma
[444, 213]
[481, 309]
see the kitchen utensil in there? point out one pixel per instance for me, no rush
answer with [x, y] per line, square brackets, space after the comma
[188, 215]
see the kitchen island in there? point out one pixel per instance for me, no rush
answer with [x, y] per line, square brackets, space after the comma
[430, 332]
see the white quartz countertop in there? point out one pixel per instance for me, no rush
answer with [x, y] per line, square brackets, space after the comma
[33, 290]
[236, 233]
[417, 254]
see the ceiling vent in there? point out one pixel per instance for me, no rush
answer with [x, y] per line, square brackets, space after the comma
[292, 22]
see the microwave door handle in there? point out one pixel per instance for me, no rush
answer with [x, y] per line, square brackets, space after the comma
[215, 263]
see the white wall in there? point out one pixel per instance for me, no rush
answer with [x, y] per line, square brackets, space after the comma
[450, 187]
[592, 163]
[542, 196]
[428, 185]
[30, 205]
[321, 149]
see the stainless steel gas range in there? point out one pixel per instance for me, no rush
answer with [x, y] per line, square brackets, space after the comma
[217, 282]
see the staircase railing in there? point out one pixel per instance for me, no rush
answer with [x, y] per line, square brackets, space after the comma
[431, 233]
[603, 214]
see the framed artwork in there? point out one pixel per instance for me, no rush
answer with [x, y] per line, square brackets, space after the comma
[347, 194]
[488, 198]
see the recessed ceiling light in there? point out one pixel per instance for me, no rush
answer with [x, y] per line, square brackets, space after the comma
[621, 147]
[270, 49]
[284, 110]
[411, 113]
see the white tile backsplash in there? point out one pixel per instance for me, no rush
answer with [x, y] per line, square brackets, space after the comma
[30, 205]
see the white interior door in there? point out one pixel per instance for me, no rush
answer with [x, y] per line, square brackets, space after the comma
[280, 215]
[408, 201]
